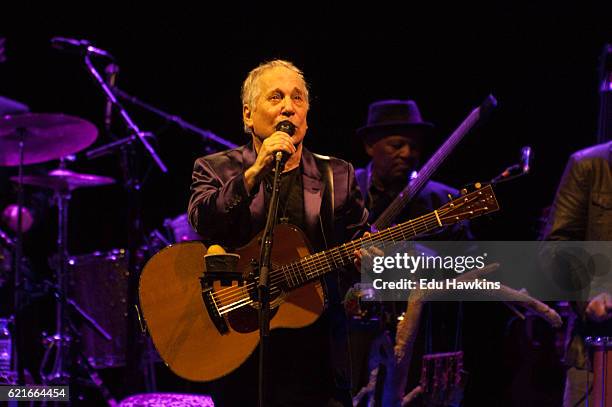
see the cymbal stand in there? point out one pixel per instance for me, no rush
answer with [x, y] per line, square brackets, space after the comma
[60, 340]
[136, 374]
[78, 355]
[132, 127]
[18, 279]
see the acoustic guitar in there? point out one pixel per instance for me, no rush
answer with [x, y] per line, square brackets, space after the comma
[205, 325]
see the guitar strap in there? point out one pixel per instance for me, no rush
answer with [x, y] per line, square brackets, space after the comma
[326, 214]
[340, 356]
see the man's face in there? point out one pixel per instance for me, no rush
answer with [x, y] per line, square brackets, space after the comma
[395, 156]
[282, 96]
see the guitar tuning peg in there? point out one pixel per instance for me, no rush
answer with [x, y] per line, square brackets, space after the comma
[450, 197]
[478, 185]
[464, 191]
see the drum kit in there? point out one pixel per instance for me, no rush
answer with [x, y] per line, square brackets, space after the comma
[32, 139]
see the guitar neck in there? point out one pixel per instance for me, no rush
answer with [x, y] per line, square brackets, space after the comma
[415, 186]
[314, 266]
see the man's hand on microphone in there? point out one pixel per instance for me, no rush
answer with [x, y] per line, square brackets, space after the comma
[277, 141]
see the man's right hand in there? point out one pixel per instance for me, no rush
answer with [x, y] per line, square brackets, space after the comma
[277, 141]
[599, 308]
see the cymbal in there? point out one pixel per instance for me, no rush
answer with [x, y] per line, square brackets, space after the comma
[47, 136]
[65, 180]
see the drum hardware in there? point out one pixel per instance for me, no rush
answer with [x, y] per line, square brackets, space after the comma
[98, 283]
[79, 311]
[62, 179]
[174, 230]
[73, 336]
[6, 347]
[62, 182]
[602, 370]
[131, 168]
[10, 216]
[42, 137]
[29, 139]
[6, 239]
[180, 229]
[5, 263]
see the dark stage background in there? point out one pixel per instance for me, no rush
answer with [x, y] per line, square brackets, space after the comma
[539, 59]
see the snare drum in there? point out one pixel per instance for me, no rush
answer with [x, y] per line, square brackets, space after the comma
[98, 284]
[602, 369]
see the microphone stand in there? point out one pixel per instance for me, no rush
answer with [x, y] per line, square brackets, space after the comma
[132, 127]
[18, 283]
[136, 377]
[516, 170]
[265, 264]
[206, 134]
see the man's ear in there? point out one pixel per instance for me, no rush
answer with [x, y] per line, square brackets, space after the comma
[246, 116]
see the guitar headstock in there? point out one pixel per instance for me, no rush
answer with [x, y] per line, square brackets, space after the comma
[470, 205]
[488, 105]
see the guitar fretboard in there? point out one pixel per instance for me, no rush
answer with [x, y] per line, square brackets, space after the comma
[316, 265]
[414, 187]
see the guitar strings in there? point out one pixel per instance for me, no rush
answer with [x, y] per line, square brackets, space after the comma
[311, 260]
[311, 263]
[314, 262]
[239, 295]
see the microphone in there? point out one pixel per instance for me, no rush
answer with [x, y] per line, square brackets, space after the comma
[78, 46]
[111, 71]
[525, 159]
[516, 170]
[286, 127]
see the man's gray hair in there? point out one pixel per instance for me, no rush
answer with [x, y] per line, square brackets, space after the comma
[251, 90]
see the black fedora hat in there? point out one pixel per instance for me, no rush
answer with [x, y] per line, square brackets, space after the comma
[390, 117]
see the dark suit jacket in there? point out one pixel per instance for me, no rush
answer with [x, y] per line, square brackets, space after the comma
[222, 212]
[582, 210]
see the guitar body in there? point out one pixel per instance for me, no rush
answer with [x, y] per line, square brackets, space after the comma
[180, 324]
[204, 324]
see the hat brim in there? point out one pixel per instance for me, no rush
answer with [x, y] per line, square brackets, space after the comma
[389, 129]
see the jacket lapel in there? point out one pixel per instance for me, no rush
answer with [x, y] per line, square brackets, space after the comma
[313, 192]
[257, 204]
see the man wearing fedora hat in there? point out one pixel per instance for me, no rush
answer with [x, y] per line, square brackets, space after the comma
[393, 137]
